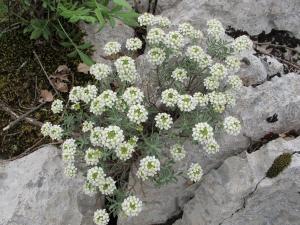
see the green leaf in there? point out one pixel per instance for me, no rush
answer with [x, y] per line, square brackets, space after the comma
[38, 28]
[85, 45]
[85, 58]
[129, 18]
[72, 54]
[75, 15]
[66, 44]
[100, 18]
[123, 3]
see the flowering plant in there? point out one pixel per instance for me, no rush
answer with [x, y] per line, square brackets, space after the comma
[120, 124]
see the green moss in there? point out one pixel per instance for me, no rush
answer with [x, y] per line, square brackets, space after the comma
[279, 164]
[21, 80]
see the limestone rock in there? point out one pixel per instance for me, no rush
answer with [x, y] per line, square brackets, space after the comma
[120, 33]
[34, 190]
[249, 15]
[272, 65]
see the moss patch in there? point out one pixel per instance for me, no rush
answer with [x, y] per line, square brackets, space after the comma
[279, 164]
[21, 80]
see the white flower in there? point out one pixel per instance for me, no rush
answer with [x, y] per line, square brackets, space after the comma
[88, 93]
[242, 43]
[75, 94]
[132, 206]
[169, 97]
[174, 40]
[112, 48]
[96, 135]
[112, 137]
[133, 95]
[155, 36]
[89, 189]
[218, 71]
[177, 152]
[107, 99]
[57, 106]
[101, 217]
[156, 56]
[163, 121]
[149, 167]
[179, 74]
[100, 71]
[202, 132]
[233, 63]
[211, 147]
[137, 114]
[230, 98]
[92, 156]
[218, 101]
[195, 172]
[56, 132]
[146, 19]
[133, 141]
[196, 54]
[133, 44]
[215, 29]
[201, 99]
[232, 125]
[126, 69]
[161, 21]
[70, 170]
[186, 103]
[121, 105]
[45, 129]
[68, 150]
[87, 126]
[186, 29]
[95, 175]
[235, 82]
[124, 151]
[211, 83]
[107, 186]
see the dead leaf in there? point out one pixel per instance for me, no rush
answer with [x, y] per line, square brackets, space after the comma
[46, 96]
[62, 69]
[60, 78]
[83, 68]
[61, 86]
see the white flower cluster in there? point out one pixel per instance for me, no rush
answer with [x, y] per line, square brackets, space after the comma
[89, 189]
[174, 40]
[211, 83]
[133, 44]
[202, 132]
[233, 63]
[189, 31]
[111, 137]
[107, 186]
[196, 54]
[177, 152]
[149, 167]
[87, 126]
[218, 101]
[169, 97]
[133, 95]
[235, 82]
[232, 125]
[92, 156]
[201, 99]
[105, 100]
[215, 29]
[218, 71]
[100, 71]
[186, 103]
[55, 132]
[101, 217]
[124, 151]
[70, 170]
[163, 121]
[146, 19]
[126, 69]
[195, 172]
[132, 206]
[161, 21]
[179, 74]
[68, 150]
[242, 43]
[85, 94]
[57, 106]
[95, 176]
[156, 56]
[155, 36]
[112, 48]
[137, 114]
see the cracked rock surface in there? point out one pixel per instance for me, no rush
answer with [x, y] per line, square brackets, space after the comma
[35, 191]
[239, 193]
[254, 106]
[250, 15]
